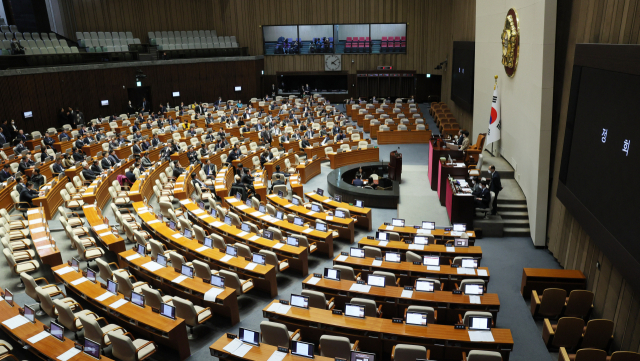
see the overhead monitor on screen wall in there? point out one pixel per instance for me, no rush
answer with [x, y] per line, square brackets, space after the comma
[28, 114]
[176, 94]
[104, 102]
[238, 88]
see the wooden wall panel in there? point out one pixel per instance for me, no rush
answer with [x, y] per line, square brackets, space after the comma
[593, 21]
[46, 93]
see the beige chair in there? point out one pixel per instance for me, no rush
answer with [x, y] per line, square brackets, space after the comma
[177, 260]
[5, 348]
[370, 307]
[566, 333]
[244, 251]
[304, 242]
[46, 302]
[409, 352]
[372, 252]
[471, 281]
[272, 259]
[413, 257]
[318, 300]
[106, 273]
[16, 244]
[192, 315]
[276, 334]
[126, 287]
[432, 314]
[549, 304]
[232, 280]
[97, 333]
[87, 254]
[479, 355]
[598, 334]
[158, 248]
[127, 348]
[337, 347]
[203, 270]
[19, 267]
[17, 224]
[16, 233]
[347, 273]
[69, 319]
[389, 278]
[20, 255]
[218, 242]
[154, 298]
[467, 316]
[277, 234]
[30, 286]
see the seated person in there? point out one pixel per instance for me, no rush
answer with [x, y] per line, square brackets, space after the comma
[5, 174]
[279, 181]
[130, 175]
[28, 194]
[483, 200]
[88, 173]
[95, 168]
[77, 156]
[358, 181]
[371, 184]
[177, 170]
[37, 179]
[278, 171]
[305, 142]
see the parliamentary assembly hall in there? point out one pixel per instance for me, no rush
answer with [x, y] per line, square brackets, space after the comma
[339, 180]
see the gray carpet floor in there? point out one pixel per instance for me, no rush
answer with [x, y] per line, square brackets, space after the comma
[505, 258]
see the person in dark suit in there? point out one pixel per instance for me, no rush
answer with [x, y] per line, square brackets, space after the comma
[210, 137]
[192, 155]
[155, 141]
[266, 136]
[136, 148]
[57, 167]
[79, 143]
[16, 48]
[177, 170]
[485, 197]
[20, 148]
[358, 181]
[63, 117]
[233, 154]
[100, 136]
[495, 187]
[204, 151]
[145, 105]
[37, 179]
[88, 173]
[24, 164]
[113, 158]
[305, 142]
[209, 169]
[63, 137]
[284, 138]
[95, 168]
[3, 139]
[162, 110]
[325, 140]
[340, 137]
[279, 181]
[145, 161]
[88, 139]
[265, 157]
[144, 144]
[28, 194]
[21, 136]
[5, 174]
[130, 175]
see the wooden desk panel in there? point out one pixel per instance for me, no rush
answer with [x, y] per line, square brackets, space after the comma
[439, 250]
[439, 234]
[124, 152]
[6, 201]
[71, 172]
[363, 215]
[296, 185]
[354, 157]
[53, 199]
[309, 170]
[184, 186]
[319, 150]
[61, 147]
[100, 192]
[445, 171]
[93, 149]
[138, 193]
[44, 170]
[270, 167]
[374, 130]
[404, 137]
[44, 245]
[257, 353]
[109, 239]
[539, 279]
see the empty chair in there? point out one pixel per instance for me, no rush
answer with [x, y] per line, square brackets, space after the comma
[372, 252]
[126, 287]
[625, 356]
[566, 333]
[579, 304]
[232, 280]
[87, 254]
[127, 348]
[153, 298]
[549, 304]
[276, 334]
[272, 259]
[413, 257]
[337, 346]
[409, 352]
[106, 273]
[46, 302]
[432, 315]
[193, 315]
[479, 355]
[390, 278]
[347, 273]
[19, 267]
[31, 285]
[598, 334]
[177, 260]
[95, 332]
[370, 308]
[69, 319]
[202, 269]
[318, 300]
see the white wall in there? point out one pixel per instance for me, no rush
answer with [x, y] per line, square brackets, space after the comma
[526, 99]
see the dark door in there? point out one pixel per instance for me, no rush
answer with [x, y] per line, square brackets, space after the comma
[136, 95]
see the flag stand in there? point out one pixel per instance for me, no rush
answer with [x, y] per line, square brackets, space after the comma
[495, 84]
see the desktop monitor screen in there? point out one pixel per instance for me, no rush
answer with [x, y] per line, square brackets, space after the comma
[187, 271]
[429, 225]
[461, 242]
[382, 236]
[321, 227]
[425, 286]
[337, 198]
[298, 221]
[473, 289]
[28, 114]
[281, 194]
[459, 227]
[316, 208]
[352, 310]
[479, 323]
[217, 281]
[262, 209]
[280, 215]
[8, 296]
[356, 252]
[416, 318]
[57, 330]
[299, 301]
[320, 192]
[187, 233]
[362, 356]
[245, 227]
[231, 251]
[208, 242]
[29, 313]
[172, 225]
[267, 234]
[392, 257]
[397, 222]
[237, 88]
[248, 203]
[137, 299]
[214, 213]
[168, 311]
[420, 240]
[292, 241]
[469, 263]
[112, 287]
[431, 260]
[176, 94]
[91, 348]
[332, 274]
[161, 260]
[249, 336]
[295, 201]
[340, 214]
[104, 102]
[303, 349]
[75, 264]
[258, 258]
[238, 196]
[227, 220]
[141, 250]
[378, 281]
[91, 275]
[359, 203]
[201, 205]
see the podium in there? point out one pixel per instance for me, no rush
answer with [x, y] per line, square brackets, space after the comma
[395, 166]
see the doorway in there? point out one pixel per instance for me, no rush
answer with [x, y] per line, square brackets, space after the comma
[137, 94]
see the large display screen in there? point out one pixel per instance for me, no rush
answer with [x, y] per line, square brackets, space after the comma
[464, 54]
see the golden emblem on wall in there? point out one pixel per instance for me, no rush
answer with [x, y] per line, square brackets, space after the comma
[510, 42]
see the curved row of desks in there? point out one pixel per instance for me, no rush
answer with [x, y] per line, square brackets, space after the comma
[439, 234]
[363, 215]
[341, 159]
[444, 252]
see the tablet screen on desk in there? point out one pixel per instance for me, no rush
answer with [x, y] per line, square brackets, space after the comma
[91, 275]
[292, 241]
[172, 225]
[397, 222]
[479, 323]
[187, 271]
[267, 234]
[112, 287]
[249, 336]
[332, 274]
[75, 264]
[298, 221]
[262, 209]
[321, 227]
[280, 215]
[459, 227]
[320, 192]
[208, 242]
[352, 310]
[231, 251]
[431, 260]
[29, 313]
[57, 331]
[377, 281]
[473, 289]
[381, 236]
[8, 296]
[316, 208]
[258, 258]
[162, 260]
[217, 281]
[420, 240]
[337, 198]
[141, 250]
[416, 318]
[168, 311]
[299, 301]
[137, 299]
[303, 349]
[295, 201]
[227, 220]
[91, 348]
[429, 225]
[469, 263]
[461, 242]
[187, 233]
[340, 214]
[359, 203]
[362, 356]
[356, 252]
[392, 257]
[245, 227]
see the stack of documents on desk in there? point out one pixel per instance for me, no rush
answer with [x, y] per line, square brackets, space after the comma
[481, 336]
[360, 288]
[237, 348]
[279, 308]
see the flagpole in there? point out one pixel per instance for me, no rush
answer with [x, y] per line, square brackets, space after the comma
[495, 84]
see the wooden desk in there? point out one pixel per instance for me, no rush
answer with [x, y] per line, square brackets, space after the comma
[319, 150]
[44, 170]
[193, 289]
[93, 149]
[136, 193]
[324, 240]
[293, 144]
[439, 233]
[435, 153]
[181, 157]
[257, 353]
[539, 279]
[124, 152]
[270, 167]
[445, 253]
[460, 206]
[45, 246]
[141, 322]
[445, 171]
[223, 182]
[296, 185]
[309, 170]
[298, 257]
[71, 172]
[47, 348]
[342, 159]
[61, 147]
[184, 186]
[404, 137]
[379, 335]
[53, 199]
[110, 240]
[374, 130]
[264, 277]
[6, 201]
[344, 227]
[408, 272]
[98, 190]
[448, 305]
[363, 215]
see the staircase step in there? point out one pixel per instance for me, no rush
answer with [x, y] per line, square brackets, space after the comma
[514, 214]
[512, 207]
[503, 201]
[515, 222]
[516, 232]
